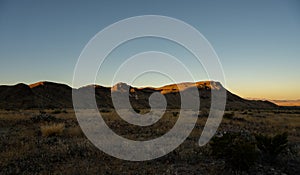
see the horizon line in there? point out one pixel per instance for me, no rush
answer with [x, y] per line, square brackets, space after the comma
[147, 86]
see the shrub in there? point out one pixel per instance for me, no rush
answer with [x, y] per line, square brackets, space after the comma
[175, 114]
[271, 147]
[237, 149]
[52, 129]
[44, 118]
[229, 115]
[219, 145]
[204, 113]
[104, 110]
[239, 119]
[74, 132]
[58, 111]
[244, 112]
[137, 110]
[243, 154]
[42, 112]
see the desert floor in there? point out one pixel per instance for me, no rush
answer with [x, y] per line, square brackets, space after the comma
[26, 147]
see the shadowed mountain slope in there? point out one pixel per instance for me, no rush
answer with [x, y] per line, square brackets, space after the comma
[44, 95]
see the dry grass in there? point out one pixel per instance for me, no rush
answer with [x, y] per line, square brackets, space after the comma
[29, 147]
[74, 132]
[52, 129]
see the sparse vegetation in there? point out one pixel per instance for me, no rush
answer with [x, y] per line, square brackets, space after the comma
[240, 150]
[204, 113]
[245, 112]
[58, 111]
[42, 112]
[237, 149]
[74, 131]
[175, 114]
[271, 147]
[137, 110]
[104, 110]
[54, 129]
[24, 150]
[229, 115]
[44, 117]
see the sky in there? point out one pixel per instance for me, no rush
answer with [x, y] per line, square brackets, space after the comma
[257, 42]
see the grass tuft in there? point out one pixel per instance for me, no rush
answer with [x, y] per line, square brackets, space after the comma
[52, 129]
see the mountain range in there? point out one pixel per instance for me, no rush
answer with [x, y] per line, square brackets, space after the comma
[50, 95]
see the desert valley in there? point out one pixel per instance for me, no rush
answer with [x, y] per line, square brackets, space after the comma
[39, 133]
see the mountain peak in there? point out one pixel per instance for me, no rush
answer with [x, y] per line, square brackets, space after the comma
[120, 87]
[46, 83]
[41, 83]
[209, 85]
[213, 85]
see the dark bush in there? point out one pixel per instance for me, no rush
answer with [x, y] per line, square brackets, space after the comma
[137, 110]
[104, 110]
[239, 119]
[42, 112]
[204, 113]
[271, 147]
[244, 112]
[175, 114]
[237, 149]
[57, 111]
[228, 115]
[44, 118]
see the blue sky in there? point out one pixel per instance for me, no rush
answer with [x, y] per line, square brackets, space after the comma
[257, 41]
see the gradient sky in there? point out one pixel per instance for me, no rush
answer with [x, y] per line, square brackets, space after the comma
[258, 42]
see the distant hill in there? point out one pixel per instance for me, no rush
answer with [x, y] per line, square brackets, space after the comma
[286, 102]
[44, 95]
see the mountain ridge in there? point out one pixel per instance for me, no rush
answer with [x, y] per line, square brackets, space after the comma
[45, 94]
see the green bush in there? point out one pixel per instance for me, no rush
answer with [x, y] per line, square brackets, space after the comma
[237, 149]
[271, 147]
